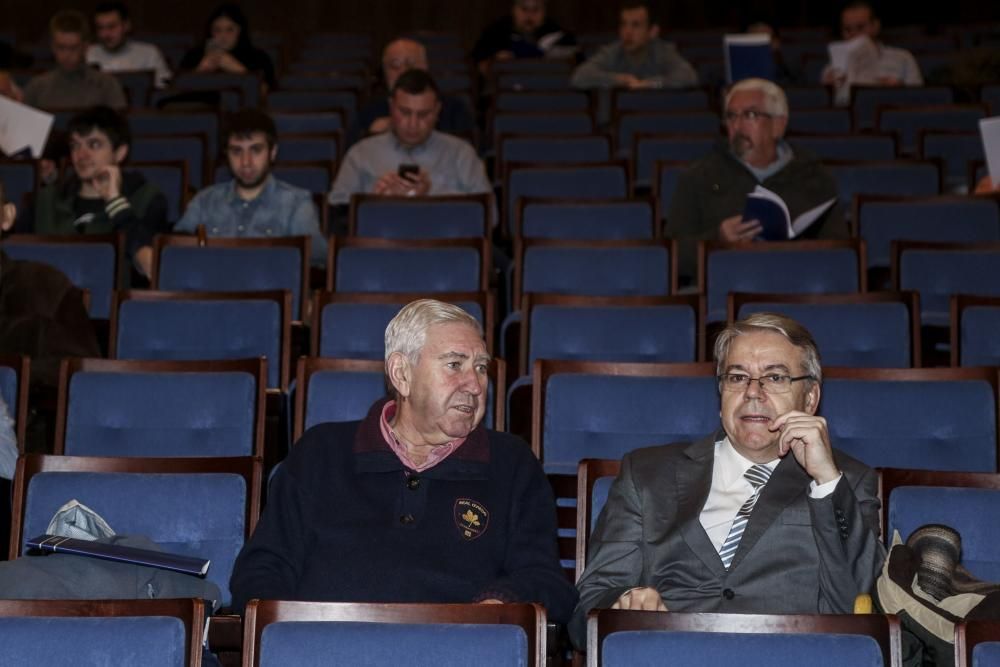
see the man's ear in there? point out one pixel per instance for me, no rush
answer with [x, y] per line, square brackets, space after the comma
[398, 369]
[812, 398]
[120, 154]
[7, 214]
[654, 31]
[274, 152]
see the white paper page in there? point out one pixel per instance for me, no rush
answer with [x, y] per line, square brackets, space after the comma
[802, 223]
[989, 128]
[23, 127]
[840, 52]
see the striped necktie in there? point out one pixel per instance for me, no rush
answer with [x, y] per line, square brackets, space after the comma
[757, 475]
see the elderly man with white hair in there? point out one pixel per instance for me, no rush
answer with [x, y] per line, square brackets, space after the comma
[711, 194]
[417, 502]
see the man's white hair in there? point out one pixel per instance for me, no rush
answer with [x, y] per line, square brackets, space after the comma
[775, 102]
[407, 332]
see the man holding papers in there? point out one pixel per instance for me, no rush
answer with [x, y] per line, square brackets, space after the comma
[711, 194]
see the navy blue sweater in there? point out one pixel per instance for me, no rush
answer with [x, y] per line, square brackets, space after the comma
[346, 521]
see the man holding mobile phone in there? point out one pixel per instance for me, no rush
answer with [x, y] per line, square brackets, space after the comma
[412, 159]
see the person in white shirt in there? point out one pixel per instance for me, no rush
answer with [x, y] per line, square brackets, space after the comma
[115, 52]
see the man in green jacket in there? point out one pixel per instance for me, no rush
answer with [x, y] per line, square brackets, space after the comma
[711, 194]
[98, 197]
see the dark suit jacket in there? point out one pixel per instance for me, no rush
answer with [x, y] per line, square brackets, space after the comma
[797, 555]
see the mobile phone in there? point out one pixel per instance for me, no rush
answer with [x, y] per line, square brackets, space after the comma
[406, 169]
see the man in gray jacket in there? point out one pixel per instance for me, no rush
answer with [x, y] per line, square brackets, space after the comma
[639, 59]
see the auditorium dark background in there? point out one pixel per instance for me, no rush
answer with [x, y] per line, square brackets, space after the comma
[386, 18]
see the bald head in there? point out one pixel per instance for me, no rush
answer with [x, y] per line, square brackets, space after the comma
[401, 55]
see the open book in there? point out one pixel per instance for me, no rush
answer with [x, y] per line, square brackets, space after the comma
[748, 55]
[770, 210]
[989, 128]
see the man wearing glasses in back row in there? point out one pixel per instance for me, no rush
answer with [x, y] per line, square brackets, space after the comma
[763, 516]
[711, 194]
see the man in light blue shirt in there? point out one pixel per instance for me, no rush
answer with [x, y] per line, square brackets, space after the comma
[412, 159]
[254, 203]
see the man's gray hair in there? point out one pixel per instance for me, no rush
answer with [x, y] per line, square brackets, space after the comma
[775, 102]
[796, 334]
[407, 332]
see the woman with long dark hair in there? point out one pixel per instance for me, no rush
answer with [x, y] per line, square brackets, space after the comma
[228, 48]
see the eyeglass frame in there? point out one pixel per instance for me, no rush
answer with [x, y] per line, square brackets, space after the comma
[768, 389]
[749, 115]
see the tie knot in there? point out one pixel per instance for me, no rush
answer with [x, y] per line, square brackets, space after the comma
[757, 475]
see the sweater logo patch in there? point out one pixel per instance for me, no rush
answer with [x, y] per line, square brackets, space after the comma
[471, 518]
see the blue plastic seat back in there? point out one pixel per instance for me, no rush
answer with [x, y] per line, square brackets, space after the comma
[937, 274]
[661, 100]
[957, 151]
[200, 330]
[908, 123]
[169, 123]
[943, 221]
[222, 269]
[563, 100]
[169, 179]
[313, 178]
[972, 512]
[898, 178]
[668, 184]
[417, 644]
[819, 121]
[866, 101]
[247, 84]
[195, 514]
[151, 641]
[849, 147]
[860, 335]
[612, 333]
[599, 498]
[816, 272]
[980, 345]
[18, 179]
[597, 271]
[408, 270]
[312, 122]
[542, 123]
[646, 648]
[8, 389]
[581, 182]
[681, 122]
[421, 219]
[589, 221]
[986, 654]
[606, 416]
[89, 266]
[675, 148]
[311, 148]
[930, 425]
[568, 149]
[189, 149]
[161, 414]
[357, 330]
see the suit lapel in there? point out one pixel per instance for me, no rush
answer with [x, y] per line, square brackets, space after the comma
[787, 482]
[693, 482]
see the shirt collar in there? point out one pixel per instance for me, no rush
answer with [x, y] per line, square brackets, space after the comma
[783, 155]
[414, 150]
[731, 465]
[437, 454]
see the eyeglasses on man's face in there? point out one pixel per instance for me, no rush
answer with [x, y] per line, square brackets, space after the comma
[772, 383]
[751, 115]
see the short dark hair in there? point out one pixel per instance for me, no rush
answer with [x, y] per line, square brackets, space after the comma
[246, 122]
[632, 5]
[415, 82]
[105, 119]
[108, 7]
[70, 21]
[860, 4]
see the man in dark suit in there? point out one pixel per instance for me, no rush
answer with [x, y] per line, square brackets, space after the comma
[763, 516]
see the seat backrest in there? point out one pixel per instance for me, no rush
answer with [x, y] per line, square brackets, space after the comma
[866, 100]
[308, 122]
[974, 325]
[695, 99]
[285, 633]
[587, 220]
[938, 270]
[203, 507]
[202, 326]
[247, 84]
[147, 408]
[191, 149]
[546, 123]
[177, 123]
[927, 418]
[90, 262]
[819, 121]
[662, 122]
[806, 97]
[617, 637]
[603, 410]
[582, 181]
[977, 642]
[593, 268]
[352, 325]
[529, 81]
[624, 329]
[171, 178]
[165, 633]
[957, 150]
[235, 265]
[848, 146]
[14, 381]
[459, 216]
[943, 219]
[908, 122]
[315, 100]
[874, 330]
[900, 178]
[19, 180]
[594, 478]
[315, 147]
[818, 266]
[580, 148]
[665, 181]
[648, 148]
[546, 101]
[389, 265]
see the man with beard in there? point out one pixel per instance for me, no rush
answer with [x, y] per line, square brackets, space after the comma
[115, 51]
[711, 193]
[254, 203]
[418, 502]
